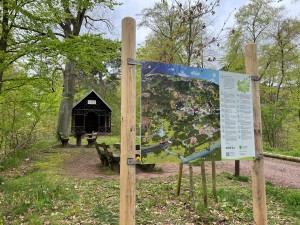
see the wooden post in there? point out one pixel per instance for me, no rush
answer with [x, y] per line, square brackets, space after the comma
[204, 184]
[179, 179]
[191, 175]
[213, 178]
[78, 140]
[128, 123]
[236, 168]
[258, 173]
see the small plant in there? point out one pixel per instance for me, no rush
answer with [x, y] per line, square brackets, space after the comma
[242, 178]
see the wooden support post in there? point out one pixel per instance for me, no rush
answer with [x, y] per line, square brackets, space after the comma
[213, 178]
[179, 179]
[191, 175]
[128, 123]
[258, 173]
[78, 140]
[236, 168]
[204, 184]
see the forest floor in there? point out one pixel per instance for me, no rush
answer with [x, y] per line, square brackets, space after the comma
[278, 172]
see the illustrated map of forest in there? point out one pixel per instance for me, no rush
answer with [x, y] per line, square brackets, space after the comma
[180, 114]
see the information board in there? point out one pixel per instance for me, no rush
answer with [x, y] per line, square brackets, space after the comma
[236, 109]
[188, 113]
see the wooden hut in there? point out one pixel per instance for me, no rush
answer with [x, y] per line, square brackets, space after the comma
[91, 114]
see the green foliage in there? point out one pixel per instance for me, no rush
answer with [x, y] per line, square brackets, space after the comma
[273, 116]
[255, 18]
[276, 36]
[27, 112]
[88, 51]
[184, 31]
[233, 59]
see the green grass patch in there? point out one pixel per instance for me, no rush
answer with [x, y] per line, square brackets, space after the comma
[290, 152]
[288, 198]
[15, 157]
[237, 178]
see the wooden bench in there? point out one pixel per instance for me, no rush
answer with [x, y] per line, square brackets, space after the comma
[107, 157]
[64, 140]
[91, 138]
[102, 155]
[111, 159]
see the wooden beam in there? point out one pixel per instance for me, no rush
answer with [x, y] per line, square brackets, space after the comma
[282, 157]
[128, 123]
[258, 172]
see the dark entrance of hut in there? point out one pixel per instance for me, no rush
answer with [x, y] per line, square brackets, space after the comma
[91, 121]
[91, 116]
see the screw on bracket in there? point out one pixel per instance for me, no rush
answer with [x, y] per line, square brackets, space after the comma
[133, 62]
[132, 161]
[258, 156]
[255, 78]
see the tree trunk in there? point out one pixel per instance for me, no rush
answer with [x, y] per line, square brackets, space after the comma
[66, 104]
[1, 79]
[5, 29]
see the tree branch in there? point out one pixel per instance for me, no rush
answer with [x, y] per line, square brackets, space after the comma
[36, 31]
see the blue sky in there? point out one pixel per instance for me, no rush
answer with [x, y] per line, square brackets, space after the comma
[183, 71]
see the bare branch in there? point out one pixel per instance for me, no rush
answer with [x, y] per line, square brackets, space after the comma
[106, 21]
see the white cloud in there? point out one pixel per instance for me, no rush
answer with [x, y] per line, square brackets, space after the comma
[182, 74]
[195, 73]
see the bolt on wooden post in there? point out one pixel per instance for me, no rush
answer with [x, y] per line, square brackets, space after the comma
[128, 123]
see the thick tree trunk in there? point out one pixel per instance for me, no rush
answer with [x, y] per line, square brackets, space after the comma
[5, 29]
[66, 104]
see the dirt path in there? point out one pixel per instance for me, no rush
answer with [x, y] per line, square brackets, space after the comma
[279, 172]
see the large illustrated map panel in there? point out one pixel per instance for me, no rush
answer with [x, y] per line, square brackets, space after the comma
[180, 113]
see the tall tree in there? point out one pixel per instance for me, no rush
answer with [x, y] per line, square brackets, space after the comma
[166, 31]
[278, 39]
[14, 41]
[233, 59]
[180, 31]
[255, 19]
[69, 17]
[281, 57]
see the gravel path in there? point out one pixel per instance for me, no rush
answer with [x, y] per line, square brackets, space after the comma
[279, 172]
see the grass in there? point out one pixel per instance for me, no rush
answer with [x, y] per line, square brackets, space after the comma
[14, 158]
[44, 195]
[294, 152]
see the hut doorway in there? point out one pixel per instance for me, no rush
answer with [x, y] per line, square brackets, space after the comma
[91, 122]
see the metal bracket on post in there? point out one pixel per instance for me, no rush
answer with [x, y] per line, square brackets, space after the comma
[258, 156]
[132, 161]
[133, 62]
[255, 78]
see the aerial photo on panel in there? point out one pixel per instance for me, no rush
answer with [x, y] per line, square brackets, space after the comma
[180, 112]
